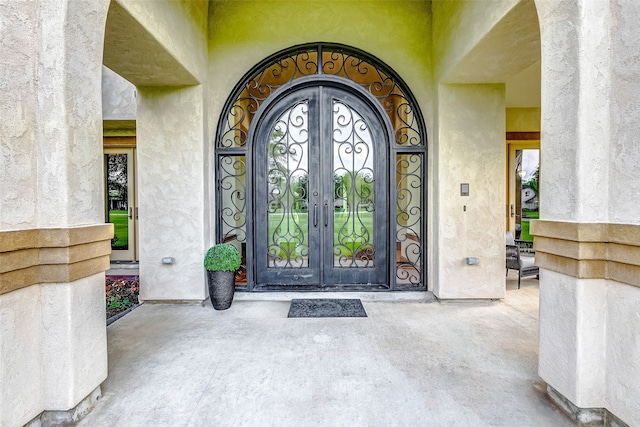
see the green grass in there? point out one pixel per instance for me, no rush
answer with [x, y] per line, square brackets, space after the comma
[120, 221]
[302, 220]
[524, 235]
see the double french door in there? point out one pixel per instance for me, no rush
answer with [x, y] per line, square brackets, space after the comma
[321, 191]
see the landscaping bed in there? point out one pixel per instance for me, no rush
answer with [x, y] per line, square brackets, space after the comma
[121, 295]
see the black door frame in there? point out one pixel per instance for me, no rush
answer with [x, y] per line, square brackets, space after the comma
[337, 87]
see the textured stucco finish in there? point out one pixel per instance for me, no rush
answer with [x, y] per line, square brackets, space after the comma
[590, 167]
[118, 97]
[523, 119]
[588, 342]
[74, 340]
[171, 193]
[465, 31]
[623, 149]
[575, 111]
[471, 127]
[51, 177]
[623, 352]
[52, 346]
[573, 337]
[18, 109]
[244, 33]
[179, 27]
[511, 46]
[21, 380]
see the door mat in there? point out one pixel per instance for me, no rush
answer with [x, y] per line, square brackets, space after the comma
[326, 308]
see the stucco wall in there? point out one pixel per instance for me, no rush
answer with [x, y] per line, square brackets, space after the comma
[572, 353]
[171, 193]
[178, 26]
[458, 27]
[21, 379]
[623, 352]
[625, 108]
[589, 327]
[52, 337]
[523, 119]
[243, 33]
[118, 97]
[470, 149]
[576, 111]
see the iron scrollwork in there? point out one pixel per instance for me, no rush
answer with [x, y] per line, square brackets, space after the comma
[287, 186]
[353, 189]
[234, 155]
[409, 218]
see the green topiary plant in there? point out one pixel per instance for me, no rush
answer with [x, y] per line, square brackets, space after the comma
[222, 257]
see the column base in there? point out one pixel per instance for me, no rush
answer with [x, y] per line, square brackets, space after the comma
[69, 417]
[584, 416]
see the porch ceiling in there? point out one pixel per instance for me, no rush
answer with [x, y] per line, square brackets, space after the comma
[509, 53]
[132, 52]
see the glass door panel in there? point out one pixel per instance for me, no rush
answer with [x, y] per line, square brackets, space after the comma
[121, 209]
[317, 176]
[353, 198]
[287, 190]
[524, 174]
[354, 188]
[287, 196]
[527, 177]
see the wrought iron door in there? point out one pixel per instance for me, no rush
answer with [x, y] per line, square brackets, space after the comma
[321, 203]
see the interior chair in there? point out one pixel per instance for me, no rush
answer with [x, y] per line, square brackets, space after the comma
[521, 257]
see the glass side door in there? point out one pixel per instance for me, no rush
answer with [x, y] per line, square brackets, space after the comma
[121, 209]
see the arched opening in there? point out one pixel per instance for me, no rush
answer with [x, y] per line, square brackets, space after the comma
[274, 209]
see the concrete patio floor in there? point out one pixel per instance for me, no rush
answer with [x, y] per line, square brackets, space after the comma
[410, 362]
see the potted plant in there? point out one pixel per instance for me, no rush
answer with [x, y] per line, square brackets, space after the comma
[221, 262]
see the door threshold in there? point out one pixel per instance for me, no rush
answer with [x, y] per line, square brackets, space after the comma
[123, 268]
[319, 288]
[373, 296]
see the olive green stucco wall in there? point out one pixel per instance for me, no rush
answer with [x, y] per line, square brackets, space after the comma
[243, 33]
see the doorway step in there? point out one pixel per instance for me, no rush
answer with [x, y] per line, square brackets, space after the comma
[123, 268]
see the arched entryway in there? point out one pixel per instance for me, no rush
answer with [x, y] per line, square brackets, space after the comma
[321, 161]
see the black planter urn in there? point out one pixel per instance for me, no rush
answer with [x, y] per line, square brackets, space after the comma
[222, 285]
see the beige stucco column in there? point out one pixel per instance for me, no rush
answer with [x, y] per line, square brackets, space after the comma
[588, 238]
[54, 245]
[173, 195]
[470, 150]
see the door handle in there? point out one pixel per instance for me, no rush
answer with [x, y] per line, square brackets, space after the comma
[326, 214]
[512, 210]
[315, 215]
[130, 213]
